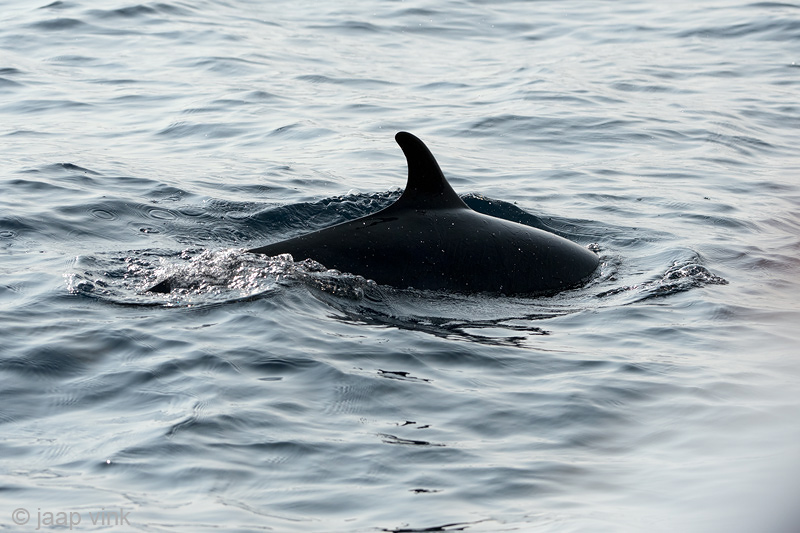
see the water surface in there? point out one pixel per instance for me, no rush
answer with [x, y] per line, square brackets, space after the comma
[142, 140]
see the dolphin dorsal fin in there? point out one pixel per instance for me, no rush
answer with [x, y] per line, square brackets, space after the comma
[427, 187]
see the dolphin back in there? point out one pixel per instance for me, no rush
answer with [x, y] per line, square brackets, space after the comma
[430, 239]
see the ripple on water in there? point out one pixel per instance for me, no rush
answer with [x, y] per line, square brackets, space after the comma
[6, 83]
[161, 214]
[59, 24]
[136, 11]
[184, 129]
[102, 214]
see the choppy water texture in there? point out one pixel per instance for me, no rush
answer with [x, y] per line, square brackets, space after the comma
[163, 138]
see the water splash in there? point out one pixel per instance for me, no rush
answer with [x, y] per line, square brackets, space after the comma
[681, 276]
[199, 277]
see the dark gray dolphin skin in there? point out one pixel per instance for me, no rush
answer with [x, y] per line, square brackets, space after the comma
[430, 239]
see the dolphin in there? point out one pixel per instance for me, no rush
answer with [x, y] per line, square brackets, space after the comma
[430, 239]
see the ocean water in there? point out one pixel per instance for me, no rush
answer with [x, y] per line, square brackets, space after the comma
[141, 140]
